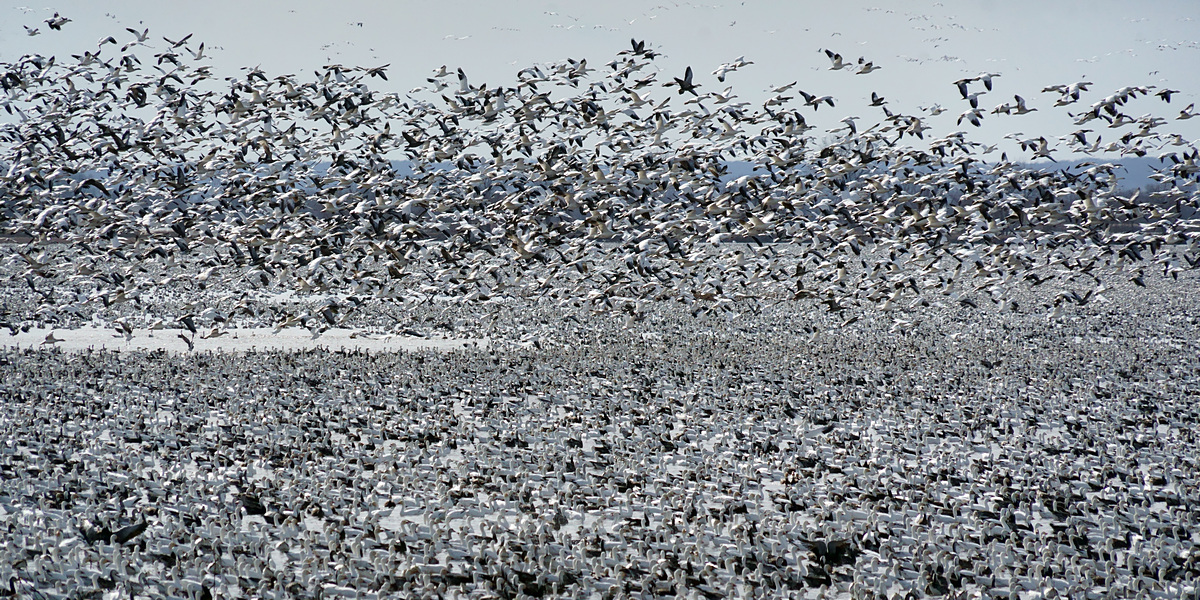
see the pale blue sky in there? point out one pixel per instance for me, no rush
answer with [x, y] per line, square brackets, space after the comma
[922, 45]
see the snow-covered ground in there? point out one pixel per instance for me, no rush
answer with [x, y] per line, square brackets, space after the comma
[236, 340]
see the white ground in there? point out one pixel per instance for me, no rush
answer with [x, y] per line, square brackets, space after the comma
[233, 340]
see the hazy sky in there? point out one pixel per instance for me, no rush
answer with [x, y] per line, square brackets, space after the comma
[922, 45]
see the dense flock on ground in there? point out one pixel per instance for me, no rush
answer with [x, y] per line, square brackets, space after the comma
[974, 454]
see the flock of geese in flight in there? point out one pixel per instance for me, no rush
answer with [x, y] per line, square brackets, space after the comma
[122, 174]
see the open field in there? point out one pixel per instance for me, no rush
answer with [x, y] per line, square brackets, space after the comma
[944, 450]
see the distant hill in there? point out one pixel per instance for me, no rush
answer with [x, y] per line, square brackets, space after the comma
[1134, 173]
